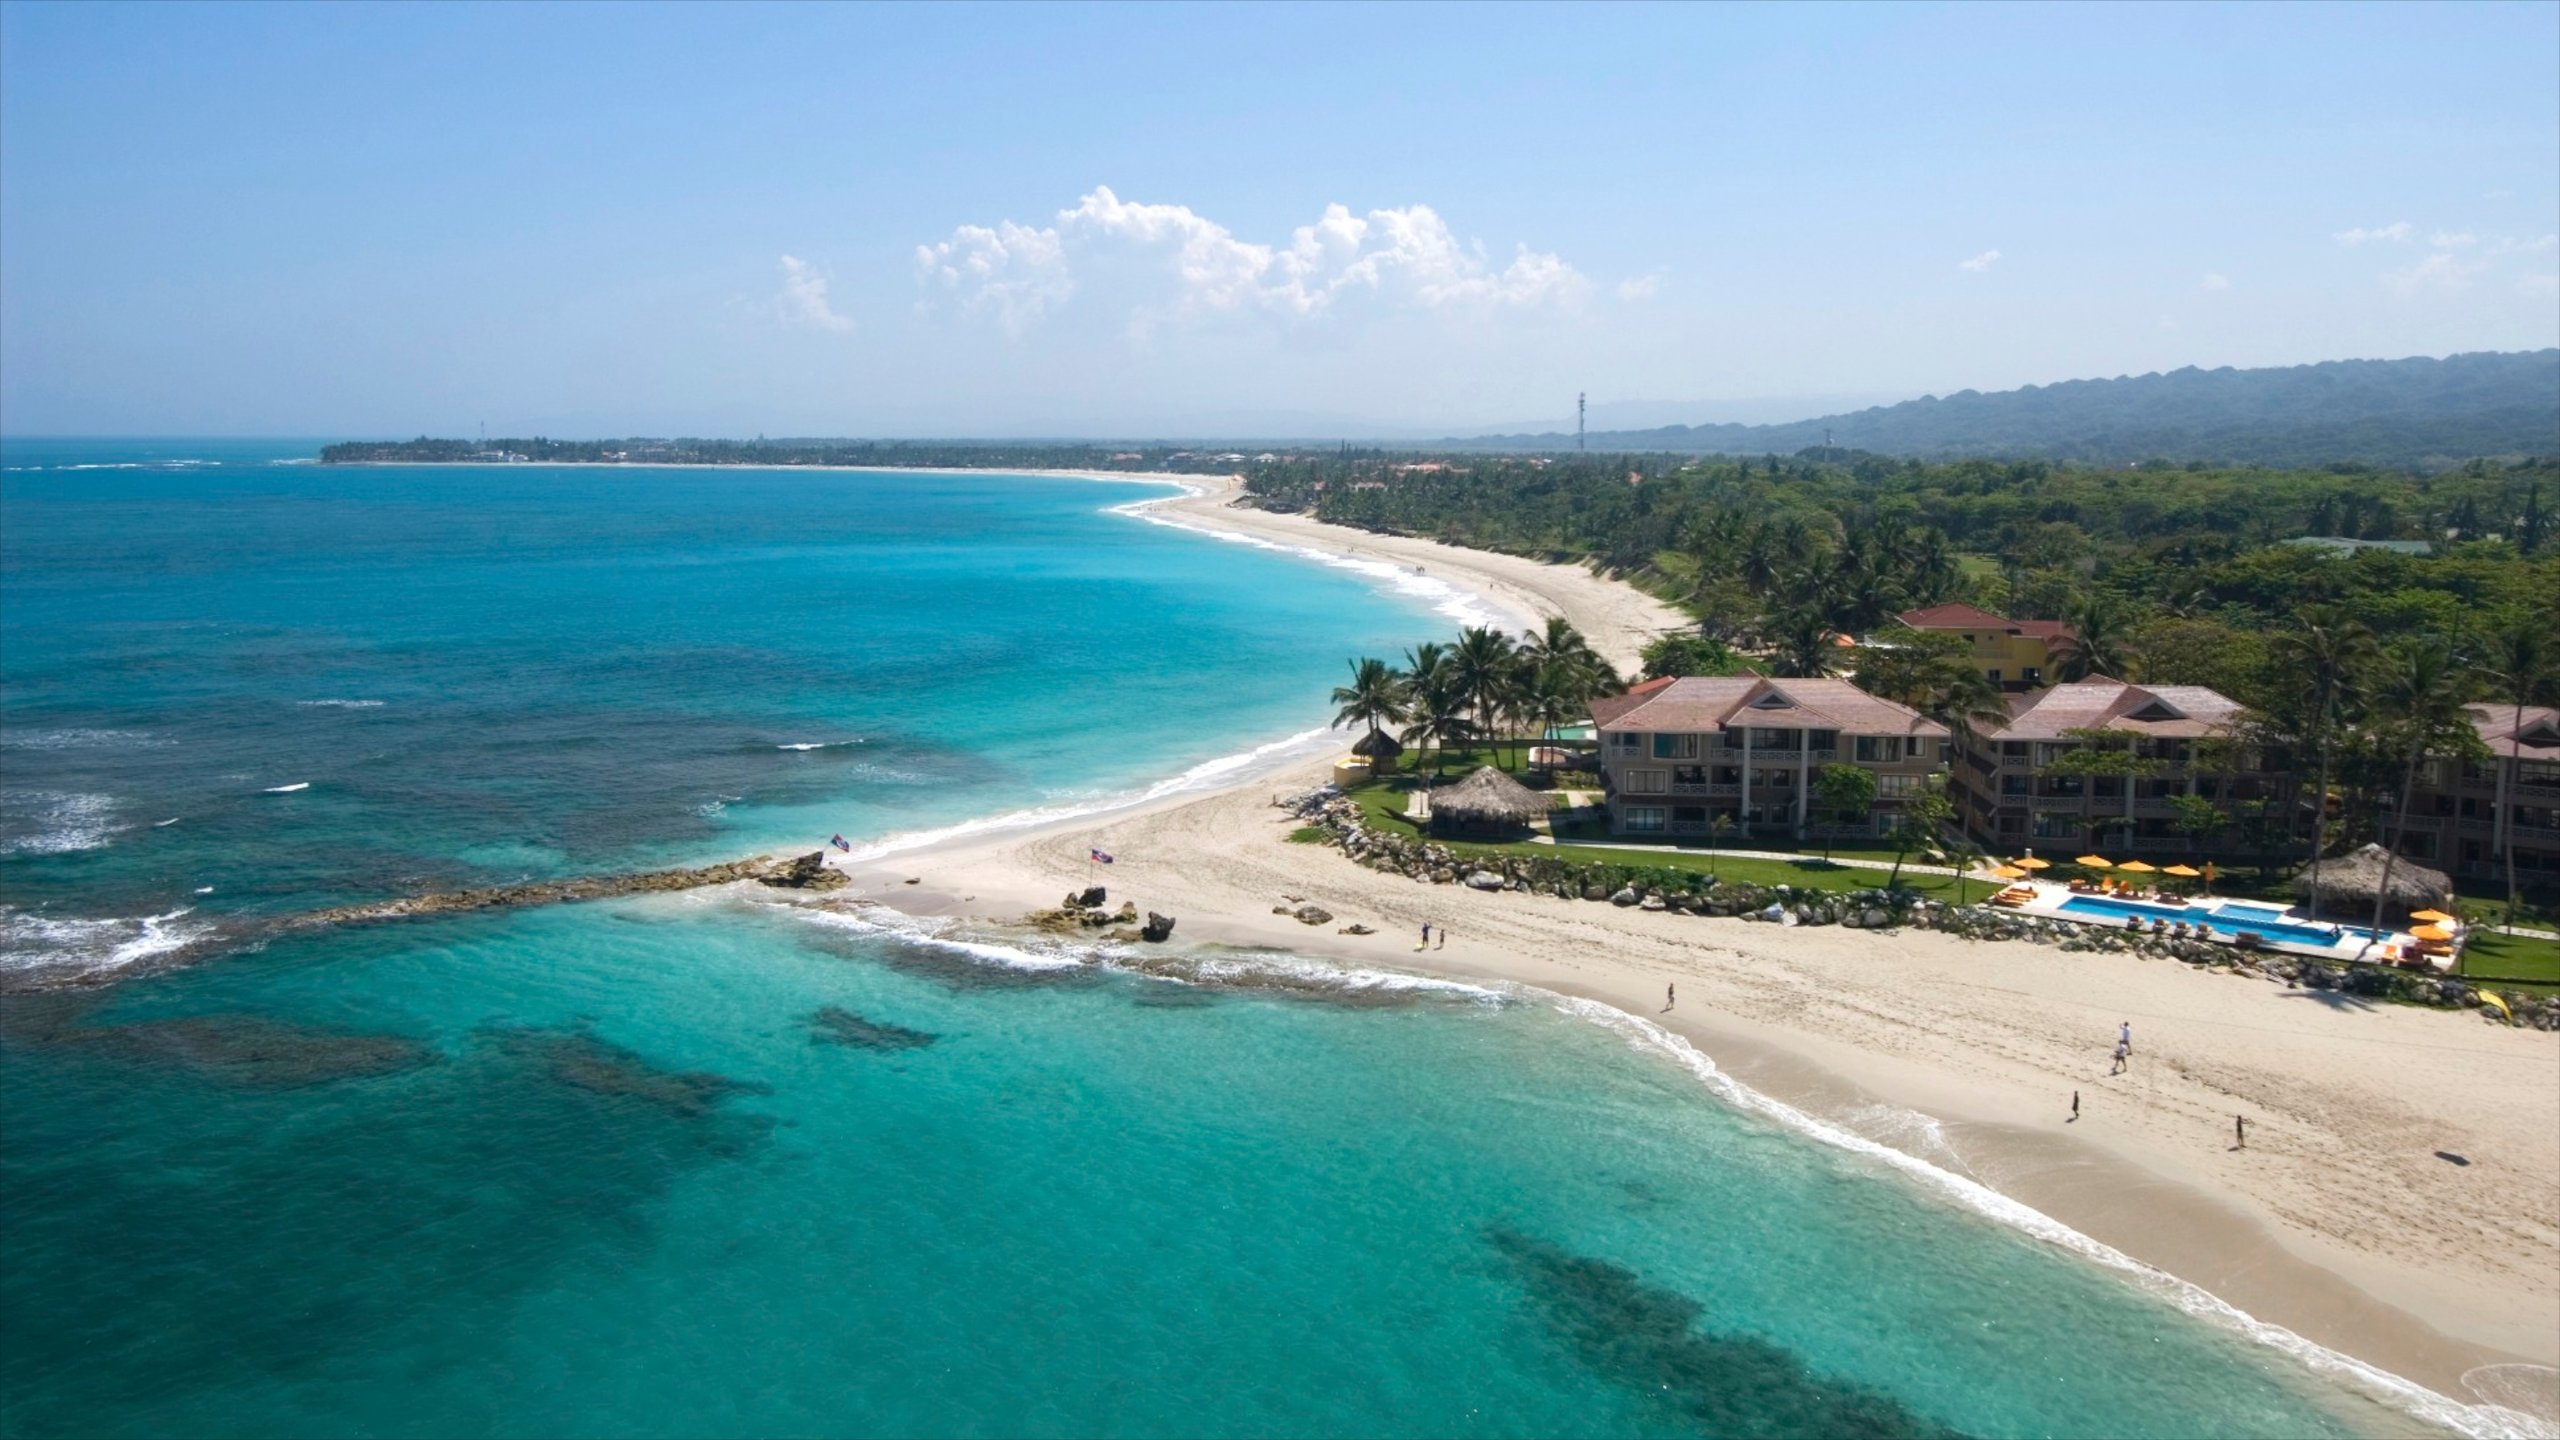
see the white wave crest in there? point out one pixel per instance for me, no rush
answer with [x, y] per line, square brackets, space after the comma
[29, 941]
[818, 745]
[1205, 775]
[340, 704]
[65, 821]
[80, 738]
[915, 930]
[2491, 1421]
[1458, 603]
[287, 789]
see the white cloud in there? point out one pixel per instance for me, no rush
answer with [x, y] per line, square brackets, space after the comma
[1640, 287]
[1981, 262]
[803, 300]
[1181, 264]
[2215, 280]
[2452, 239]
[2393, 234]
[2441, 271]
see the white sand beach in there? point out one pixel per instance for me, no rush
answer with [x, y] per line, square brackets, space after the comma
[2399, 1197]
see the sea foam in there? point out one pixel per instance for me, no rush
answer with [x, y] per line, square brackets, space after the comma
[34, 942]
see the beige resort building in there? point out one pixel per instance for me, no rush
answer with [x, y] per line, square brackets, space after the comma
[1675, 753]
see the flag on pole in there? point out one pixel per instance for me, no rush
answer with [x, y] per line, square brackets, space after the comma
[842, 844]
[1100, 857]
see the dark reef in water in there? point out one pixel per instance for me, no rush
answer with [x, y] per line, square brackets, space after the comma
[236, 1049]
[1731, 1385]
[836, 1025]
[583, 1062]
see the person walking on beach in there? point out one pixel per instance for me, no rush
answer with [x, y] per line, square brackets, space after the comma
[1670, 996]
[2075, 1107]
[2123, 1048]
[2124, 1035]
[1443, 942]
[2240, 1132]
[1426, 936]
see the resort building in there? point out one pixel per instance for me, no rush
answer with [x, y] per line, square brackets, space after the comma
[1676, 753]
[2453, 814]
[2099, 764]
[2013, 654]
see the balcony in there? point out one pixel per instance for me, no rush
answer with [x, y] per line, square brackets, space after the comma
[1706, 787]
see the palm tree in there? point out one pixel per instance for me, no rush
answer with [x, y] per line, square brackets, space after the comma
[1804, 647]
[2415, 691]
[1375, 696]
[2524, 659]
[1482, 666]
[1435, 714]
[2328, 649]
[2096, 645]
[1719, 825]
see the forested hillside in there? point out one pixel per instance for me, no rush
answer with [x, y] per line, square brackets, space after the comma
[2416, 412]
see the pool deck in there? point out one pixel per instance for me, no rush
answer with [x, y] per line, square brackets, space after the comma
[2352, 948]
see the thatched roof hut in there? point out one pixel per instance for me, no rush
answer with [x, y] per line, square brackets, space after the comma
[1379, 748]
[2353, 880]
[1488, 800]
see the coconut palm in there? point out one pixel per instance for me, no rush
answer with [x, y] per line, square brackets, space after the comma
[1482, 666]
[2096, 645]
[1578, 669]
[2415, 691]
[2323, 655]
[1803, 644]
[2525, 661]
[1375, 697]
[1435, 714]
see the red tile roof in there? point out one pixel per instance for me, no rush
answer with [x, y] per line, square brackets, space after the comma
[2164, 711]
[1700, 703]
[1955, 615]
[2538, 738]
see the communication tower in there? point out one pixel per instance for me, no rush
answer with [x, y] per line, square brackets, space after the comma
[1581, 402]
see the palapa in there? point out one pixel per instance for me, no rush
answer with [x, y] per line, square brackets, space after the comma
[1379, 747]
[1486, 800]
[2355, 879]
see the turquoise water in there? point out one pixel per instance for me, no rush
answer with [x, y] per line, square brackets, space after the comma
[2222, 920]
[706, 1165]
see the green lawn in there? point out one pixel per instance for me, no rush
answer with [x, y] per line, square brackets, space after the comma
[1382, 806]
[2513, 957]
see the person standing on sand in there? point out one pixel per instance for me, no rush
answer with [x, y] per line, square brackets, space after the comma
[2124, 1036]
[1670, 996]
[1444, 939]
[1426, 936]
[2240, 1131]
[2122, 1050]
[2075, 1107]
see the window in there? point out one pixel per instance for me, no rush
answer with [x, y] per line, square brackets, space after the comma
[2032, 675]
[1896, 785]
[1992, 675]
[1882, 749]
[1625, 740]
[1641, 818]
[1688, 814]
[1645, 782]
[2057, 827]
[1675, 747]
[1772, 778]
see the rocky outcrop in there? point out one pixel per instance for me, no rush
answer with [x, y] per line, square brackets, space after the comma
[809, 872]
[1158, 929]
[555, 892]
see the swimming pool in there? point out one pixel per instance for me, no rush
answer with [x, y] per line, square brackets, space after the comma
[2224, 920]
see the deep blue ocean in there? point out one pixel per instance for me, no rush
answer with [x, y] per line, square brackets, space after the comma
[702, 1165]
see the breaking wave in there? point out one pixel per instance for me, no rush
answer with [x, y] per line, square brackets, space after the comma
[63, 821]
[30, 942]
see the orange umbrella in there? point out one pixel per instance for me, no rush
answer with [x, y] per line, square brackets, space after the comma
[2136, 867]
[2430, 917]
[2094, 862]
[2029, 862]
[2432, 932]
[2183, 872]
[2009, 872]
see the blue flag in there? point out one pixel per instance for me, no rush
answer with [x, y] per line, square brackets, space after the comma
[1102, 856]
[842, 844]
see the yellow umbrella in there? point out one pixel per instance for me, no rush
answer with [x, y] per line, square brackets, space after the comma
[2183, 872]
[2431, 917]
[2094, 862]
[2492, 997]
[2009, 872]
[2029, 862]
[2136, 867]
[2432, 932]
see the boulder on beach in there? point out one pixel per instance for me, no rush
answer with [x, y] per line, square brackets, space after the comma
[1157, 929]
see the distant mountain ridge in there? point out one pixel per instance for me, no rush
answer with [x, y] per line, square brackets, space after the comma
[2418, 411]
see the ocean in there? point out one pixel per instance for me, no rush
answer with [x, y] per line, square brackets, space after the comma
[705, 1164]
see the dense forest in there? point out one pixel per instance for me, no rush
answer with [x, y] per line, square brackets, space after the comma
[956, 454]
[2416, 412]
[2352, 610]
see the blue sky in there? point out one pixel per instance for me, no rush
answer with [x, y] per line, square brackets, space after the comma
[956, 220]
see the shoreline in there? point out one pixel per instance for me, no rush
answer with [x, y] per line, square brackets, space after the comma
[2415, 1266]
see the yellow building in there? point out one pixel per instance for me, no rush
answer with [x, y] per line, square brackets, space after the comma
[2014, 654]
